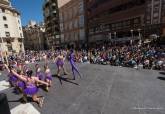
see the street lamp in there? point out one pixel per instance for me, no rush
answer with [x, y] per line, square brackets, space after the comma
[139, 30]
[131, 36]
[140, 38]
[109, 37]
[39, 39]
[131, 33]
[2, 48]
[115, 35]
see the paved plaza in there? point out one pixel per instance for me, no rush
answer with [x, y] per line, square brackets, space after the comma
[101, 90]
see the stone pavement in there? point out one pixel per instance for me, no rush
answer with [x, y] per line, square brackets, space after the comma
[102, 90]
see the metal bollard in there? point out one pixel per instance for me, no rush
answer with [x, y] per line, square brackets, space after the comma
[4, 106]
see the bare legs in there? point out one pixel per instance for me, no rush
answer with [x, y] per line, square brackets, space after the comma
[37, 99]
[59, 69]
[74, 69]
[50, 83]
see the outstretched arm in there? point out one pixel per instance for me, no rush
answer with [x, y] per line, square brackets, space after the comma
[19, 76]
[40, 81]
[7, 68]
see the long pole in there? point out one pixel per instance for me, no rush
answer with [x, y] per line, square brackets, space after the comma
[39, 39]
[2, 49]
[86, 23]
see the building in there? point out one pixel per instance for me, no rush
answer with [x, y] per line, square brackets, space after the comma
[51, 18]
[34, 36]
[155, 18]
[72, 24]
[62, 2]
[124, 20]
[10, 28]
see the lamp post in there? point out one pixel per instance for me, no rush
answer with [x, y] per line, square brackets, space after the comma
[140, 38]
[131, 37]
[110, 37]
[39, 39]
[115, 37]
[2, 48]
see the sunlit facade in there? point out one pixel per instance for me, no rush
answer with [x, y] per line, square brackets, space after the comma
[11, 35]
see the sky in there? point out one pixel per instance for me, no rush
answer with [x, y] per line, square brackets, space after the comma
[29, 9]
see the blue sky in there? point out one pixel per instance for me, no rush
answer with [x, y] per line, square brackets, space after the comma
[29, 9]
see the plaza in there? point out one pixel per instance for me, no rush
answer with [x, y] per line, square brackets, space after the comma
[102, 90]
[118, 46]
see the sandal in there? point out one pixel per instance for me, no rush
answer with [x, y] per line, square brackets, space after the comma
[40, 103]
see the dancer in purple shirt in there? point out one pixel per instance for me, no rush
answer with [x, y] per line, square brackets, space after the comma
[30, 86]
[73, 65]
[48, 76]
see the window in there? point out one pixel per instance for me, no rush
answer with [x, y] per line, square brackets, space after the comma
[5, 25]
[8, 42]
[10, 47]
[156, 14]
[81, 21]
[82, 34]
[21, 35]
[4, 18]
[19, 28]
[7, 34]
[3, 10]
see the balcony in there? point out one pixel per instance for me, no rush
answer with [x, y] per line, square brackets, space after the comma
[54, 12]
[53, 4]
[115, 6]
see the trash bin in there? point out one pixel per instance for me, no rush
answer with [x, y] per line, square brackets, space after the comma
[4, 106]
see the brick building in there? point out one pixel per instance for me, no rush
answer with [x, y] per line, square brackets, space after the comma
[124, 20]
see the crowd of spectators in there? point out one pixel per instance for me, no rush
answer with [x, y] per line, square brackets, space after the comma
[147, 56]
[136, 56]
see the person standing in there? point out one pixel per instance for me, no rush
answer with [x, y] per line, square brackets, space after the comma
[73, 65]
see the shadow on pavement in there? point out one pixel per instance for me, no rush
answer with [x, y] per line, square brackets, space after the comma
[21, 100]
[65, 80]
[162, 73]
[161, 78]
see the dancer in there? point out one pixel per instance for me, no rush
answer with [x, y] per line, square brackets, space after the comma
[59, 60]
[30, 89]
[12, 78]
[39, 74]
[73, 65]
[20, 83]
[48, 76]
[25, 69]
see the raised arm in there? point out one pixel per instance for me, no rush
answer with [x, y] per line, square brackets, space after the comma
[7, 68]
[19, 76]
